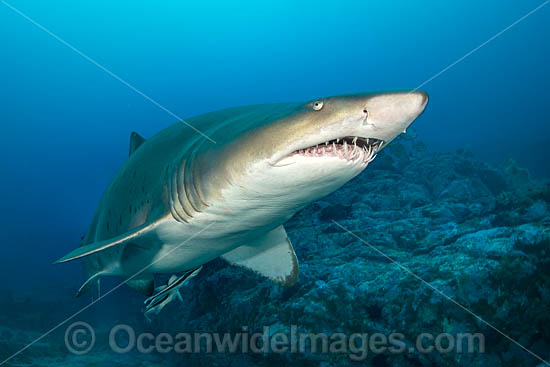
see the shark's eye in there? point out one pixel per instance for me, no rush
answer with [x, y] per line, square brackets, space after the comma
[317, 105]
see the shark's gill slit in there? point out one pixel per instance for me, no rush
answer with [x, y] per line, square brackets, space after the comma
[182, 195]
[178, 213]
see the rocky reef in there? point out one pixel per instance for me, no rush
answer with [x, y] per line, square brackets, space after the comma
[420, 243]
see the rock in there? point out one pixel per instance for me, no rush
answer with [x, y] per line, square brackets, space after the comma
[335, 212]
[515, 176]
[536, 211]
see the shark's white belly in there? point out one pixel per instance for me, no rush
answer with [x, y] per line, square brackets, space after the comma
[185, 246]
[177, 257]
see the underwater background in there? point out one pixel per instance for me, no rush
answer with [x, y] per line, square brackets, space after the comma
[462, 200]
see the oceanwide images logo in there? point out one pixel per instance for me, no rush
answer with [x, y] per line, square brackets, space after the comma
[80, 339]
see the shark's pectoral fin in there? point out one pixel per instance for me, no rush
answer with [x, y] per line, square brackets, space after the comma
[144, 286]
[102, 245]
[272, 256]
[135, 142]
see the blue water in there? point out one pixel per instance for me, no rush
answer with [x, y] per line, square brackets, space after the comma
[66, 122]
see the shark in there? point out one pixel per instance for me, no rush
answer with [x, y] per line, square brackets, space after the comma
[181, 200]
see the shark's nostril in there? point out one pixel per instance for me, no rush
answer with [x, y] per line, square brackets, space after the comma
[365, 111]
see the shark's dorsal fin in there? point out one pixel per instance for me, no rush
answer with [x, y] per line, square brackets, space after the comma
[102, 245]
[271, 256]
[135, 142]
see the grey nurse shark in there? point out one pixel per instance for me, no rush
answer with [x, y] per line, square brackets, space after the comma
[182, 200]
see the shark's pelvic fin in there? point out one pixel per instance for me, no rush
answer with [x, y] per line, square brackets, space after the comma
[135, 142]
[144, 286]
[102, 245]
[272, 257]
[90, 282]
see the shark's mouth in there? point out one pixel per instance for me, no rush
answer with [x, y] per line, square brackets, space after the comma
[349, 148]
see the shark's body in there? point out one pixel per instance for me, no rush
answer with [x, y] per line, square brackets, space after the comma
[181, 200]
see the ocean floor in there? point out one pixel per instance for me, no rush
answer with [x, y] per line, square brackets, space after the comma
[418, 243]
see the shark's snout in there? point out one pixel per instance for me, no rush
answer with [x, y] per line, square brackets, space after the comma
[389, 114]
[421, 96]
[394, 108]
[417, 103]
[421, 101]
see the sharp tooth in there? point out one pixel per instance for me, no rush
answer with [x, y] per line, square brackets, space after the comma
[345, 149]
[326, 142]
[355, 140]
[337, 140]
[334, 146]
[368, 140]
